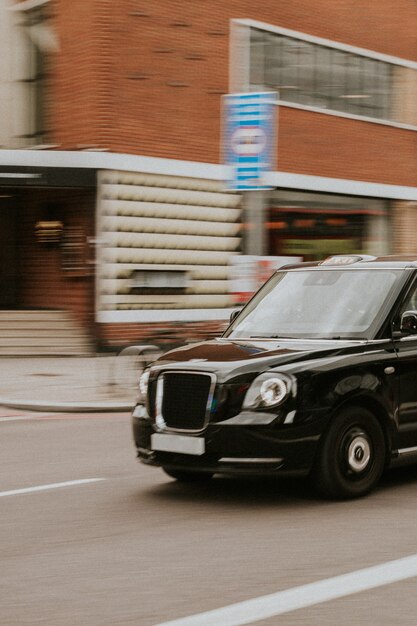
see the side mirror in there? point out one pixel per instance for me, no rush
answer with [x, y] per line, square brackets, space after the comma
[233, 315]
[409, 323]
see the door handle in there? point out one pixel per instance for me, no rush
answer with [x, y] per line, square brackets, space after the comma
[389, 370]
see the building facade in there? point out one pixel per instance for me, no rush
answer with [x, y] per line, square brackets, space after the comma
[113, 197]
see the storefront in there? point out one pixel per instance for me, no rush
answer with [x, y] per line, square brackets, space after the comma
[133, 247]
[47, 224]
[315, 225]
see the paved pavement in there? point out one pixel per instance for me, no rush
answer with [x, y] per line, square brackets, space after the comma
[80, 384]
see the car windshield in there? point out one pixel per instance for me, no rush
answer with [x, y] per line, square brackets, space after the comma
[317, 303]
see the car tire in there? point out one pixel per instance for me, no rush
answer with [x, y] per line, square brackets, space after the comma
[352, 456]
[188, 476]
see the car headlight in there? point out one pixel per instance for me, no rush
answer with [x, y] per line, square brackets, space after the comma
[143, 384]
[267, 390]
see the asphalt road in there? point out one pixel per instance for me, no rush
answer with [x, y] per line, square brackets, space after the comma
[137, 548]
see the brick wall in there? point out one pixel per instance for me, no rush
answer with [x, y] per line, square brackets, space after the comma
[147, 78]
[404, 227]
[42, 282]
[325, 145]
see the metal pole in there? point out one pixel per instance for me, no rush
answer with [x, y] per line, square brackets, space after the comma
[254, 215]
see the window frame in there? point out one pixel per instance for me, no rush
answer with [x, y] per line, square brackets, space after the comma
[240, 72]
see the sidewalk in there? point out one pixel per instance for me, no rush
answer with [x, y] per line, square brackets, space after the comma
[69, 384]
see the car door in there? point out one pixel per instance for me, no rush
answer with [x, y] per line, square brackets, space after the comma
[406, 370]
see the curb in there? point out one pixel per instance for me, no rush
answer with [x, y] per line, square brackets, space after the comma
[68, 407]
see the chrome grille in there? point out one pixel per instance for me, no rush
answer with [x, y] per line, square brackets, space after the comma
[183, 400]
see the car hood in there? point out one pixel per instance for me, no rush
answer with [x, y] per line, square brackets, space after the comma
[255, 354]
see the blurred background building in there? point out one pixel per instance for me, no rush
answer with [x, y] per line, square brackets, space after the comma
[115, 217]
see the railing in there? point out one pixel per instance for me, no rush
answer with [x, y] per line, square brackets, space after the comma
[122, 370]
[128, 365]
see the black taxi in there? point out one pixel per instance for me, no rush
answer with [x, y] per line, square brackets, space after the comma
[316, 375]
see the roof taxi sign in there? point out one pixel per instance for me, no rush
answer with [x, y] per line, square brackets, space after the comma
[249, 138]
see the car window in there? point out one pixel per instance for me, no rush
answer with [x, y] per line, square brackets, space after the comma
[317, 303]
[410, 302]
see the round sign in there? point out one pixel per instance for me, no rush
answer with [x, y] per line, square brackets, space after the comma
[248, 141]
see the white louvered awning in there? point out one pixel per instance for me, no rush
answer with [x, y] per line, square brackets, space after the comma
[165, 223]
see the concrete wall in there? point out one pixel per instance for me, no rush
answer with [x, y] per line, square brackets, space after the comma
[15, 61]
[6, 75]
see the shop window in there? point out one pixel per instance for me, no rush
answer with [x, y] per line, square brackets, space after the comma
[313, 225]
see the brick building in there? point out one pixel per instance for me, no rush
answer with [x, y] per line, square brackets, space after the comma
[112, 195]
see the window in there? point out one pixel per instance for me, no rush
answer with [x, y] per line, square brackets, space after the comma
[410, 303]
[321, 76]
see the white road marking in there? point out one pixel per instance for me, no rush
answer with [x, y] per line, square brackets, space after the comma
[68, 483]
[264, 607]
[16, 418]
[62, 416]
[25, 416]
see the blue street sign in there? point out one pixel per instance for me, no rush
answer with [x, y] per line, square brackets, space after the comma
[249, 138]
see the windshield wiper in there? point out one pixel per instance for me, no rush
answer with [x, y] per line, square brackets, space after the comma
[332, 338]
[271, 337]
[340, 338]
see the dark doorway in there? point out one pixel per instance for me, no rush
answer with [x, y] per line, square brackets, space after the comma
[8, 253]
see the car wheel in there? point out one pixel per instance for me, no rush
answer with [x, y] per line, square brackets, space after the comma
[188, 476]
[352, 456]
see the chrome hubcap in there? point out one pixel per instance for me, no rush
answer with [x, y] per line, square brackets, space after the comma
[358, 453]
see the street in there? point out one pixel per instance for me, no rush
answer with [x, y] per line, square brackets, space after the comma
[91, 537]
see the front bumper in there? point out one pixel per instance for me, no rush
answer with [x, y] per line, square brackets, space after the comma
[236, 448]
